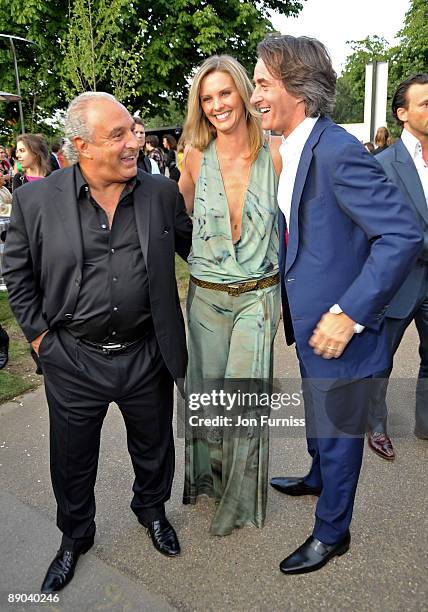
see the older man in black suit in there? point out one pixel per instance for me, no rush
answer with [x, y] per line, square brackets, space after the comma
[89, 266]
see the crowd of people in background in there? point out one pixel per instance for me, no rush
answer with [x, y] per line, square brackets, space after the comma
[33, 159]
[382, 141]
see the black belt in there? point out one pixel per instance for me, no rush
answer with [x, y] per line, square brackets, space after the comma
[110, 348]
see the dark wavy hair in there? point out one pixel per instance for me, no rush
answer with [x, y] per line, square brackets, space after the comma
[171, 141]
[399, 99]
[304, 66]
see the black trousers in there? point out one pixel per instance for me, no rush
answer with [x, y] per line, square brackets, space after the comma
[80, 383]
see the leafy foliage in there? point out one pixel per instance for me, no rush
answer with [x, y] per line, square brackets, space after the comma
[350, 85]
[411, 55]
[93, 53]
[144, 51]
[173, 115]
[408, 57]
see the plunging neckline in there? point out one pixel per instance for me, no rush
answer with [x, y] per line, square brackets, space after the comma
[244, 203]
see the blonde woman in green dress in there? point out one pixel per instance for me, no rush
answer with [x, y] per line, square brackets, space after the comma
[229, 183]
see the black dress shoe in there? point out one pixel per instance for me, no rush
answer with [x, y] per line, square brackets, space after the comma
[293, 486]
[61, 570]
[163, 536]
[312, 555]
[4, 348]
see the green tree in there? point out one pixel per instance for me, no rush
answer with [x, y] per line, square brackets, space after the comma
[350, 85]
[39, 65]
[173, 115]
[411, 54]
[93, 53]
[176, 36]
[408, 57]
[182, 33]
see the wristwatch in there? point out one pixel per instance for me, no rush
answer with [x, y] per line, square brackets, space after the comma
[336, 309]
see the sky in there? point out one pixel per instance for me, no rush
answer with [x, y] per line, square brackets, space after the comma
[334, 22]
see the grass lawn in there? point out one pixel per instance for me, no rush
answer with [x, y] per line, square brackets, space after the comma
[182, 274]
[19, 374]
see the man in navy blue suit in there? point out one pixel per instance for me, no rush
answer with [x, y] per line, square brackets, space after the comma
[406, 164]
[349, 241]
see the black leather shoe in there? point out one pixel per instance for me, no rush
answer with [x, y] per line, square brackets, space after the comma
[4, 348]
[61, 570]
[163, 537]
[293, 486]
[313, 555]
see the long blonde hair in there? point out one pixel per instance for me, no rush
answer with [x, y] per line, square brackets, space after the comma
[198, 131]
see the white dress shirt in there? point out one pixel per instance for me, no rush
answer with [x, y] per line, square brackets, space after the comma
[291, 151]
[414, 148]
[155, 167]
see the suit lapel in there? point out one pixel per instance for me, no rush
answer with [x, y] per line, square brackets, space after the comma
[67, 207]
[406, 170]
[142, 205]
[299, 184]
[282, 228]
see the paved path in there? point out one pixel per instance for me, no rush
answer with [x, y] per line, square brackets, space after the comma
[386, 568]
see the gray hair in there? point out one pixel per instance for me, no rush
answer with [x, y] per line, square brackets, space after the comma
[76, 121]
[304, 66]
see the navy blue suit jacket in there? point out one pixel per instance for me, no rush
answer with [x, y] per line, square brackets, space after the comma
[401, 169]
[352, 240]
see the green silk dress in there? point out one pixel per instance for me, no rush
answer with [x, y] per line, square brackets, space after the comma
[230, 341]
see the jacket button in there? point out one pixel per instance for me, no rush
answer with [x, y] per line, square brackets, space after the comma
[68, 316]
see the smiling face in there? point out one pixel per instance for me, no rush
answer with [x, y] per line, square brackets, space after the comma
[111, 155]
[281, 112]
[221, 102]
[415, 116]
[24, 155]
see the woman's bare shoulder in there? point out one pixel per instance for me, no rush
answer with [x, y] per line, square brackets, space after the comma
[192, 159]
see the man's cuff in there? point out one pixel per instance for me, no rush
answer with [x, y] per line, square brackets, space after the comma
[336, 309]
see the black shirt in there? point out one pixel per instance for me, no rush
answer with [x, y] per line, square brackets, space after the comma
[113, 303]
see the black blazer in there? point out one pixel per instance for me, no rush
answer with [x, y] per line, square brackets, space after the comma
[43, 258]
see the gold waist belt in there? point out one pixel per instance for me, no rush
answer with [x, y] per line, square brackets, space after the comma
[235, 290]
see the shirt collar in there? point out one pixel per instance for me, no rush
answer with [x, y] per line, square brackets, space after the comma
[296, 140]
[81, 183]
[411, 143]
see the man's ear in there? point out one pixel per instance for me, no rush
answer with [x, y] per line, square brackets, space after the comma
[402, 114]
[82, 147]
